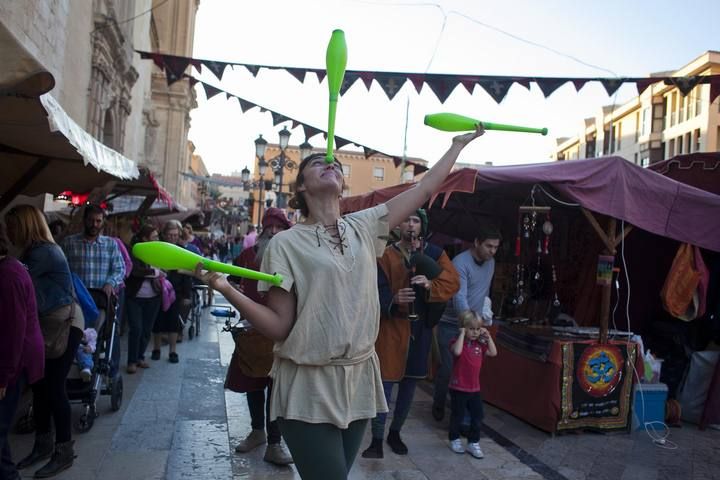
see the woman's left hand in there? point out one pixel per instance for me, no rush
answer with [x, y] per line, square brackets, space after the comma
[466, 138]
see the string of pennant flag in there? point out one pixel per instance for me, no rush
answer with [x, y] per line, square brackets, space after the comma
[442, 85]
[309, 130]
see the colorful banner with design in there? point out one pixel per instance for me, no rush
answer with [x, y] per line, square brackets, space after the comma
[596, 386]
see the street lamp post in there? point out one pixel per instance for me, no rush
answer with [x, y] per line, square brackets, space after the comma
[278, 164]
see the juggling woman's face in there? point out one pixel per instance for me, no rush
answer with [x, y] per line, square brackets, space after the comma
[319, 174]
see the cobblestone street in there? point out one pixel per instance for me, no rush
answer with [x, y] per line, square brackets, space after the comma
[177, 422]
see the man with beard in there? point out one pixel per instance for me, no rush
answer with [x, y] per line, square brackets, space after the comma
[95, 258]
[415, 280]
[259, 352]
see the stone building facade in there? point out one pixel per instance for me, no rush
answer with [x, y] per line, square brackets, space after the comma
[104, 86]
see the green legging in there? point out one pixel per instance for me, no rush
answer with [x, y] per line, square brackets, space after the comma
[320, 450]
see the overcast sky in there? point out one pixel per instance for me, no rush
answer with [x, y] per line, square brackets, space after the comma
[518, 37]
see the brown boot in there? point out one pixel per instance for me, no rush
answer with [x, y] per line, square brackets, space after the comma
[42, 450]
[62, 459]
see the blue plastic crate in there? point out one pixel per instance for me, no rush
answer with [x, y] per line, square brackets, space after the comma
[650, 405]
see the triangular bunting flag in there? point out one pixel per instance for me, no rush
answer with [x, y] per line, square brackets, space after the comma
[418, 169]
[217, 68]
[348, 81]
[210, 91]
[320, 74]
[611, 85]
[397, 161]
[245, 105]
[524, 81]
[714, 88]
[310, 131]
[278, 118]
[294, 125]
[367, 78]
[158, 60]
[197, 64]
[685, 84]
[496, 88]
[441, 85]
[643, 83]
[579, 83]
[175, 68]
[549, 85]
[341, 142]
[253, 69]
[369, 152]
[390, 84]
[468, 83]
[298, 73]
[144, 55]
[417, 80]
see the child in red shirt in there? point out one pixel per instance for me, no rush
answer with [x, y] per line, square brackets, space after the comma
[469, 348]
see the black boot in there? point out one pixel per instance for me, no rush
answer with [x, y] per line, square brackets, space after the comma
[396, 444]
[42, 449]
[375, 450]
[62, 459]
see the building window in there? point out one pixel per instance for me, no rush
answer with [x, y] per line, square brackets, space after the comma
[644, 161]
[688, 144]
[346, 170]
[673, 109]
[696, 138]
[671, 148]
[698, 100]
[635, 158]
[637, 126]
[108, 131]
[619, 135]
[646, 121]
[379, 173]
[679, 145]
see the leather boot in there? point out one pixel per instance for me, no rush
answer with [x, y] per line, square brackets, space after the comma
[62, 459]
[42, 449]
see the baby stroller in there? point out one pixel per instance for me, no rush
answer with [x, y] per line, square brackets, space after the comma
[105, 378]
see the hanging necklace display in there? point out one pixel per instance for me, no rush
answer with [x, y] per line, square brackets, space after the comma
[518, 239]
[526, 225]
[556, 300]
[547, 230]
[519, 298]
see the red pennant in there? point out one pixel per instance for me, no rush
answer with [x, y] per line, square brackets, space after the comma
[417, 80]
[468, 83]
[441, 85]
[643, 83]
[298, 73]
[714, 88]
[579, 83]
[367, 78]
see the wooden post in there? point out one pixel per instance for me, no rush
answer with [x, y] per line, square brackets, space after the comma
[607, 289]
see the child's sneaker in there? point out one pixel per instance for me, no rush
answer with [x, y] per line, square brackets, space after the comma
[86, 374]
[475, 450]
[457, 446]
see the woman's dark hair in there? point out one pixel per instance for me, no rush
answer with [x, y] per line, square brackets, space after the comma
[298, 201]
[144, 232]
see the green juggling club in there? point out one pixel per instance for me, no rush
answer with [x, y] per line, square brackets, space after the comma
[172, 257]
[452, 122]
[335, 63]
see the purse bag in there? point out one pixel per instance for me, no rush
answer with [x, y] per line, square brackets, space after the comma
[55, 327]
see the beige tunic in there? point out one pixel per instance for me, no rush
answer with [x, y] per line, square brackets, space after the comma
[326, 370]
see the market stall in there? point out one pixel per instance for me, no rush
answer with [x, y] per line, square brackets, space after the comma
[565, 225]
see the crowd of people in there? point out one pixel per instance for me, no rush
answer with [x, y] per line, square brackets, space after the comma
[354, 317]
